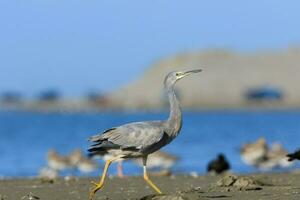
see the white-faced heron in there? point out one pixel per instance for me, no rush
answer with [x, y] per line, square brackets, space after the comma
[139, 139]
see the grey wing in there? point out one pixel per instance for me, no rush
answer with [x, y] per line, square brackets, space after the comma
[135, 136]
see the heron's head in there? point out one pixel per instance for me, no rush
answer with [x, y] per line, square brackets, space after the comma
[172, 77]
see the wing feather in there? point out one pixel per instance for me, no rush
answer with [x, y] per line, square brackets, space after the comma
[139, 136]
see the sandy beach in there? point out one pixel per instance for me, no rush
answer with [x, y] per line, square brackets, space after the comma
[259, 186]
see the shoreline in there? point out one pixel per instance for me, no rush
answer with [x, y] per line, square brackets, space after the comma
[254, 186]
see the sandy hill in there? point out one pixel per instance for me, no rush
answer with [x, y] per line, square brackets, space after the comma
[225, 78]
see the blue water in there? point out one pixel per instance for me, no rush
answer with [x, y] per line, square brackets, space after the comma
[26, 137]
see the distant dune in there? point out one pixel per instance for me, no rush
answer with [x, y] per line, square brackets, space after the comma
[225, 79]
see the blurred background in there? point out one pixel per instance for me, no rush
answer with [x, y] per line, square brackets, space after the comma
[71, 69]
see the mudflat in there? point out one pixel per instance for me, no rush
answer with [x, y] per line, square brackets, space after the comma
[179, 187]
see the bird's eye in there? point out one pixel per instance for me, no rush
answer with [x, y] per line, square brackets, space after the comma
[177, 74]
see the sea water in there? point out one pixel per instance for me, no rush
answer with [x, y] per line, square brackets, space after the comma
[26, 137]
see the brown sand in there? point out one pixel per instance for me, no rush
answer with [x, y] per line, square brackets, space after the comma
[259, 187]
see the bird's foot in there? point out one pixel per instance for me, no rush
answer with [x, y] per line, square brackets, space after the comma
[95, 183]
[93, 190]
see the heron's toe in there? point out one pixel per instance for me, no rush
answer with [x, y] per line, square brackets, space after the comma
[93, 192]
[91, 195]
[94, 189]
[94, 183]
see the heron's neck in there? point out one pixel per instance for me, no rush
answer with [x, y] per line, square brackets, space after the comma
[175, 118]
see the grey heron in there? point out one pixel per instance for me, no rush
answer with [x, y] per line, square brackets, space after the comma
[139, 139]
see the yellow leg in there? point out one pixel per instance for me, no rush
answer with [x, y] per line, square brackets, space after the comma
[100, 184]
[146, 178]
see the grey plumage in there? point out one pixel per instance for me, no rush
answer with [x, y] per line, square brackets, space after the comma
[142, 138]
[138, 136]
[139, 139]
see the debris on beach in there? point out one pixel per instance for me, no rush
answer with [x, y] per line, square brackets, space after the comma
[160, 173]
[70, 178]
[194, 174]
[240, 183]
[104, 198]
[163, 197]
[3, 197]
[194, 189]
[46, 180]
[30, 196]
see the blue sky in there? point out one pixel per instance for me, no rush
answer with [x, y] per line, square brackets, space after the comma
[77, 45]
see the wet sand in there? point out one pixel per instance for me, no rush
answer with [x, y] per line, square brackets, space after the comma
[180, 187]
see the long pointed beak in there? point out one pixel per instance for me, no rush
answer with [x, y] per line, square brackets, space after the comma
[191, 72]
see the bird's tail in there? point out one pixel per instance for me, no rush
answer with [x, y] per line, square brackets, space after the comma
[101, 148]
[96, 154]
